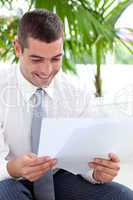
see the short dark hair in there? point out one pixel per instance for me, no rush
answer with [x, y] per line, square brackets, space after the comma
[39, 24]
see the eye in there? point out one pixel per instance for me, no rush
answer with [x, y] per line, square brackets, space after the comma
[55, 59]
[36, 61]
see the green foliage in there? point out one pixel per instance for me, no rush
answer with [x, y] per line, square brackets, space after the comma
[119, 51]
[89, 31]
[7, 3]
[8, 30]
[91, 26]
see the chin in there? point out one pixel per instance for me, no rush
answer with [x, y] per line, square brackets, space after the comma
[44, 84]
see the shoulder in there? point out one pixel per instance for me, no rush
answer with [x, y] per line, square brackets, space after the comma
[73, 94]
[68, 82]
[72, 84]
[7, 73]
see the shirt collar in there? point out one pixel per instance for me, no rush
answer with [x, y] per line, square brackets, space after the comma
[27, 89]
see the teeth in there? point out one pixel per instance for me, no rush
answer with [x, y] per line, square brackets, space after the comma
[43, 77]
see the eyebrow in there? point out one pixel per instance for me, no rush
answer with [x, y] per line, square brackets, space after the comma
[40, 57]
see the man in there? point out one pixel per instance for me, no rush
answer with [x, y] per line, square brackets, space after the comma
[39, 47]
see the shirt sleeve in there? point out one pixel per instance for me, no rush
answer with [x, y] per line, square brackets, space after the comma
[4, 150]
[89, 177]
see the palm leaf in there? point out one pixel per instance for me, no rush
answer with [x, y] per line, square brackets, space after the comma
[116, 12]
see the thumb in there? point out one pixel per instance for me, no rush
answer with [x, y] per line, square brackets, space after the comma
[114, 157]
[31, 156]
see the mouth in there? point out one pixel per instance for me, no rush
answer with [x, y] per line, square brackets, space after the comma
[42, 77]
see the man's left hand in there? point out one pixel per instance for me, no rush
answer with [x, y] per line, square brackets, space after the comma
[105, 170]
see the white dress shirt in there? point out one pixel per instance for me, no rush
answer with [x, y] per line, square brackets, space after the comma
[63, 98]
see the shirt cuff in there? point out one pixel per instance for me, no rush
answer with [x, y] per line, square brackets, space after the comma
[89, 177]
[3, 170]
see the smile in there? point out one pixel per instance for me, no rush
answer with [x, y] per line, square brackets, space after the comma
[42, 77]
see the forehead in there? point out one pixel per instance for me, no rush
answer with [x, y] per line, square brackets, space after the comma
[44, 49]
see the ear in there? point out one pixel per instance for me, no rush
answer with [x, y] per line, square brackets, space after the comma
[17, 47]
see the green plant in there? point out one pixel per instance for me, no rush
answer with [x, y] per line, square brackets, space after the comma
[89, 30]
[8, 30]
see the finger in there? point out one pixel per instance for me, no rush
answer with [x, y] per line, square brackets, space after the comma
[32, 177]
[32, 155]
[48, 164]
[103, 177]
[28, 158]
[114, 157]
[110, 165]
[41, 167]
[37, 175]
[107, 163]
[105, 170]
[33, 158]
[39, 161]
[33, 170]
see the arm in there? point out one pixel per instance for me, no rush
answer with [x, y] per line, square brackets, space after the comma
[27, 166]
[4, 150]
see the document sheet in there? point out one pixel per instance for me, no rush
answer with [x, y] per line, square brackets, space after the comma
[75, 142]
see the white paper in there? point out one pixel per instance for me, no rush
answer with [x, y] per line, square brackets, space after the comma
[75, 142]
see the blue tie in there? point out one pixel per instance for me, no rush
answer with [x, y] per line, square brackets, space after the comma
[44, 186]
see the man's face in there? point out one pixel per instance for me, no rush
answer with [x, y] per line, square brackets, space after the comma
[40, 61]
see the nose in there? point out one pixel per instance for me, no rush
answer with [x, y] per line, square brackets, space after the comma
[46, 68]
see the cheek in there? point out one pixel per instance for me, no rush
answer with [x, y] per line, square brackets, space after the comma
[25, 64]
[55, 71]
[29, 68]
[56, 67]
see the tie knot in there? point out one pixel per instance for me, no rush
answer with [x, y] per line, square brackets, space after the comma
[38, 96]
[39, 90]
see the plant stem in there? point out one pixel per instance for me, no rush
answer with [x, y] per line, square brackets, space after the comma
[98, 81]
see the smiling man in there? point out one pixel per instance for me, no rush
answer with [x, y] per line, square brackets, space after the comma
[40, 61]
[38, 88]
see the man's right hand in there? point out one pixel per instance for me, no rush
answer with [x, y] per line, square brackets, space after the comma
[30, 166]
